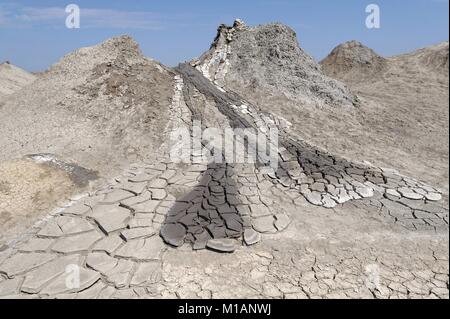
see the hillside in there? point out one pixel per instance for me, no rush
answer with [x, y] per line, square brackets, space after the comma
[267, 61]
[99, 106]
[352, 60]
[406, 104]
[96, 111]
[13, 78]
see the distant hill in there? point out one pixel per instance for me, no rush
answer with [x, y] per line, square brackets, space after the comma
[353, 60]
[405, 102]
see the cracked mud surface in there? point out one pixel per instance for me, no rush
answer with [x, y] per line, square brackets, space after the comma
[113, 236]
[157, 230]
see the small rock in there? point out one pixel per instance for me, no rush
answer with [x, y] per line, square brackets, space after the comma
[408, 193]
[251, 237]
[173, 234]
[433, 196]
[364, 192]
[393, 192]
[223, 245]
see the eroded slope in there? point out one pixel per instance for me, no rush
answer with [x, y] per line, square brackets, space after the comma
[13, 78]
[405, 106]
[99, 106]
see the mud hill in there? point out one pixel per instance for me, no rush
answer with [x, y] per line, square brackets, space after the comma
[406, 104]
[13, 78]
[99, 106]
[435, 57]
[267, 61]
[354, 60]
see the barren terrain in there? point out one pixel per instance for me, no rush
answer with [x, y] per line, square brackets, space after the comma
[357, 206]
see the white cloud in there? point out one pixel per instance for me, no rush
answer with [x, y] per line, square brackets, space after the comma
[107, 18]
[29, 14]
[16, 16]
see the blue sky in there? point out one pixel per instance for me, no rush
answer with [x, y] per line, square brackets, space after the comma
[33, 33]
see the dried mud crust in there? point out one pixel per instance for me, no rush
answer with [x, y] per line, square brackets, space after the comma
[327, 180]
[112, 234]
